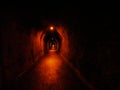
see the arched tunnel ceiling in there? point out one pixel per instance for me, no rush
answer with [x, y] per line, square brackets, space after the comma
[52, 37]
[52, 34]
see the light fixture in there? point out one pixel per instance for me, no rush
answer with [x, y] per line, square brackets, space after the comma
[51, 28]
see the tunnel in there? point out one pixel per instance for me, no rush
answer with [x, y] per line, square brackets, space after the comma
[52, 41]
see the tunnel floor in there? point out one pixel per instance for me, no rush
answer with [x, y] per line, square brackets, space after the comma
[51, 73]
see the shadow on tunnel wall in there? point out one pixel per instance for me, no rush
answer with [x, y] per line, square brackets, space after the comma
[20, 50]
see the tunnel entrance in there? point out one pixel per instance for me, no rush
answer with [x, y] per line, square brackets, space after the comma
[52, 41]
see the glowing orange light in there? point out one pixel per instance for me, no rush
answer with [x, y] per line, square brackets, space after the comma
[51, 28]
[51, 62]
[50, 68]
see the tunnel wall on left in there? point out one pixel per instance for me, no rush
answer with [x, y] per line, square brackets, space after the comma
[20, 51]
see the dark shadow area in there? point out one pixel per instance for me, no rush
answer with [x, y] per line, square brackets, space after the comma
[52, 40]
[94, 44]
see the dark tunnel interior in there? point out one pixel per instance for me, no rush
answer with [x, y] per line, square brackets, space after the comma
[86, 48]
[52, 41]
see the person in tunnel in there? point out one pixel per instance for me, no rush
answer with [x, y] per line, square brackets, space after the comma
[52, 44]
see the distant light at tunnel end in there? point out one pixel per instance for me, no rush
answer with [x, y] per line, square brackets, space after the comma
[51, 28]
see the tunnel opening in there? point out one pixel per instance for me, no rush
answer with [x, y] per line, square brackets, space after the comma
[52, 41]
